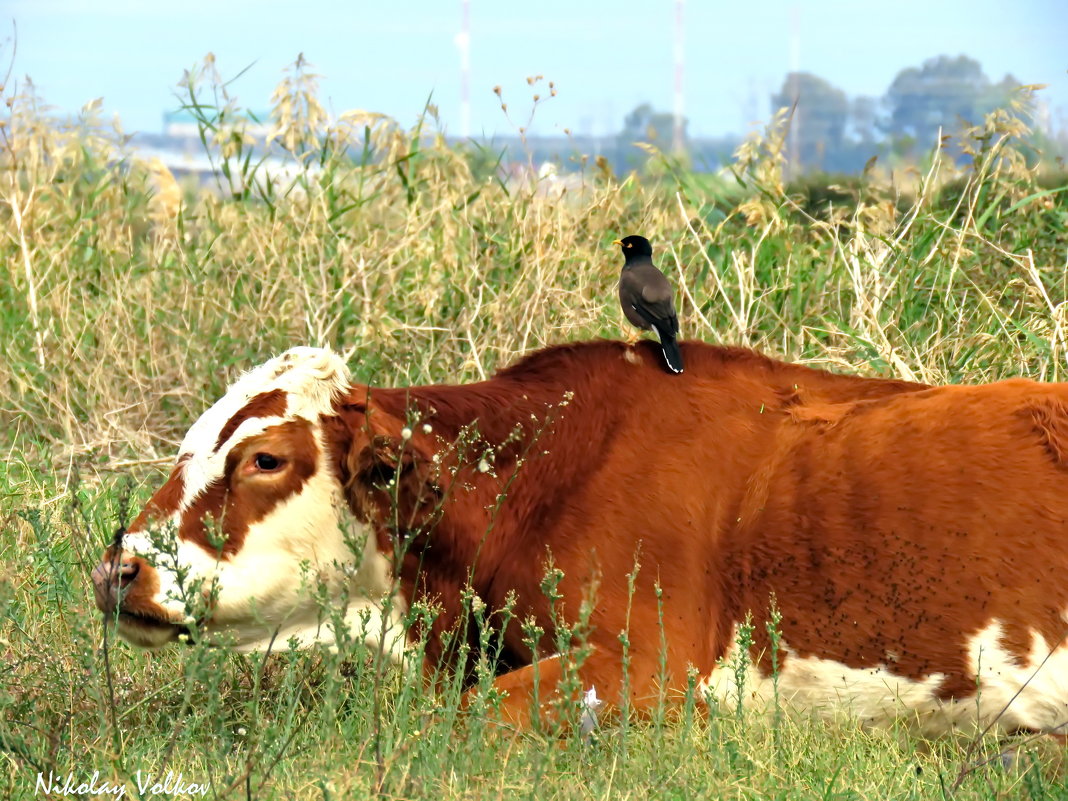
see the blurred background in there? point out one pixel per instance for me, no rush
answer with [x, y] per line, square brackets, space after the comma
[547, 81]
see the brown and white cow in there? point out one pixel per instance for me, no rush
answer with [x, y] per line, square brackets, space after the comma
[913, 539]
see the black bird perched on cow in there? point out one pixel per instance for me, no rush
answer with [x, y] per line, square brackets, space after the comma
[647, 297]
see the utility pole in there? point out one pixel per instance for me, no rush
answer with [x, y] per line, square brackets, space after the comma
[677, 138]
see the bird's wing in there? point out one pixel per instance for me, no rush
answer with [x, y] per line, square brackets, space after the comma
[655, 298]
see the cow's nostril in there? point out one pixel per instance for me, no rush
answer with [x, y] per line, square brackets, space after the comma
[111, 579]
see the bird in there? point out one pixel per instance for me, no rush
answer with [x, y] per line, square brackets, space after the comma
[646, 297]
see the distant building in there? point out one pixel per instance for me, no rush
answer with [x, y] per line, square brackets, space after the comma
[183, 124]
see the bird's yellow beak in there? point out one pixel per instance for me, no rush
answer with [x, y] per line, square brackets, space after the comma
[617, 242]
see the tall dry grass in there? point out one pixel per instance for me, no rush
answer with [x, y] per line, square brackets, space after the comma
[129, 302]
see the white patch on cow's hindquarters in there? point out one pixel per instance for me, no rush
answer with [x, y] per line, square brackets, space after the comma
[268, 588]
[876, 696]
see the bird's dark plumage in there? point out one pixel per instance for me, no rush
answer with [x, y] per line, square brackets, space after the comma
[647, 297]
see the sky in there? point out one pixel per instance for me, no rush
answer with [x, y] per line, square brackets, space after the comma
[605, 58]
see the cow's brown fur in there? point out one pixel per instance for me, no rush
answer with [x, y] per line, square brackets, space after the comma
[219, 518]
[166, 500]
[665, 470]
[266, 404]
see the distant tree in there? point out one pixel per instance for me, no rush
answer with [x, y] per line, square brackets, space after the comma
[644, 124]
[1000, 94]
[821, 117]
[938, 95]
[864, 118]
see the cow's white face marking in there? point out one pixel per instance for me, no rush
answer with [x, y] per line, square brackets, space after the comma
[266, 587]
[877, 697]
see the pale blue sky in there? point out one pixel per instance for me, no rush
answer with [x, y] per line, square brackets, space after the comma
[605, 57]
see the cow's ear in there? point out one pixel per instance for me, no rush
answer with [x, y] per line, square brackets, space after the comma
[373, 446]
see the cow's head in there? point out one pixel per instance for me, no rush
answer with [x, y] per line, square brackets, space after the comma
[248, 532]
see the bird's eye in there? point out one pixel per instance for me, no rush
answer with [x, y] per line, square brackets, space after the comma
[629, 245]
[266, 463]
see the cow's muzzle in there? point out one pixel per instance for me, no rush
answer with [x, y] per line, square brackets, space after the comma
[112, 578]
[125, 587]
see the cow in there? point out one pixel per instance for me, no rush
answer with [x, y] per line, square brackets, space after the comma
[767, 530]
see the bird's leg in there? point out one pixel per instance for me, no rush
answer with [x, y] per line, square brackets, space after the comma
[632, 333]
[630, 353]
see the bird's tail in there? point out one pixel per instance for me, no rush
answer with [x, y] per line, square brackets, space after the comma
[672, 354]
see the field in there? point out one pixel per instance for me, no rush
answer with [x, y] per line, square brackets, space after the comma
[129, 301]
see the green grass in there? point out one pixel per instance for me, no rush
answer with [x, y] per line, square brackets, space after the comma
[129, 302]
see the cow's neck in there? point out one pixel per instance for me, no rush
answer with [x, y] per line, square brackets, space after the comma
[499, 512]
[511, 443]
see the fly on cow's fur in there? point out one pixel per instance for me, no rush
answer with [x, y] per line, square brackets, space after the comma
[906, 587]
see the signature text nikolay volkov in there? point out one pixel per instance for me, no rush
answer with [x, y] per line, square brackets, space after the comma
[148, 784]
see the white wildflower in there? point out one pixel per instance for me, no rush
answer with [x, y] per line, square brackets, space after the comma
[590, 704]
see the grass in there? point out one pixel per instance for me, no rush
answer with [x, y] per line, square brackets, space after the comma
[130, 300]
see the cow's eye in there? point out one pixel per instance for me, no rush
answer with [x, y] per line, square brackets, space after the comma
[267, 463]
